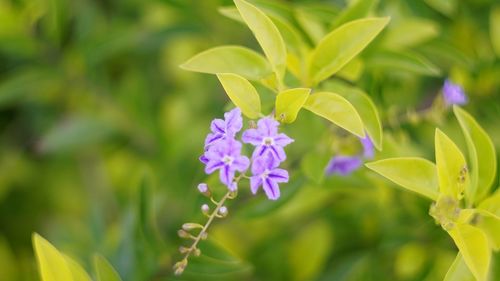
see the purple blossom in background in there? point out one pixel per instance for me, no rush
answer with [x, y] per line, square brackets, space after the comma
[267, 174]
[224, 129]
[225, 156]
[345, 165]
[266, 139]
[453, 94]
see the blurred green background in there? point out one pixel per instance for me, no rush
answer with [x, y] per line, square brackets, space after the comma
[100, 134]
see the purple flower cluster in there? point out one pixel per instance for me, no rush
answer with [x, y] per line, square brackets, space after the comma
[267, 156]
[453, 94]
[345, 165]
[223, 153]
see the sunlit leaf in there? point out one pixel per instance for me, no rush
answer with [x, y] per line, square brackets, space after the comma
[473, 245]
[451, 166]
[358, 9]
[314, 28]
[336, 109]
[446, 7]
[459, 271]
[482, 155]
[490, 224]
[289, 103]
[415, 174]
[104, 270]
[352, 70]
[306, 258]
[492, 203]
[267, 35]
[341, 45]
[406, 61]
[495, 29]
[230, 59]
[78, 273]
[52, 265]
[242, 93]
[409, 32]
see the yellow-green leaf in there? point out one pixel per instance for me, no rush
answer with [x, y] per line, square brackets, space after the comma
[495, 29]
[230, 59]
[406, 61]
[409, 32]
[267, 35]
[341, 45]
[242, 93]
[482, 155]
[336, 109]
[78, 273]
[52, 265]
[490, 224]
[473, 245]
[459, 271]
[415, 174]
[492, 203]
[451, 166]
[289, 102]
[356, 10]
[314, 28]
[104, 270]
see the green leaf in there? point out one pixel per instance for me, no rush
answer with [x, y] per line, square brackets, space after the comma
[314, 28]
[459, 271]
[492, 203]
[242, 93]
[104, 270]
[446, 7]
[289, 102]
[336, 109]
[79, 274]
[352, 70]
[473, 245]
[52, 265]
[495, 29]
[230, 59]
[415, 174]
[307, 259]
[366, 109]
[410, 32]
[341, 45]
[266, 34]
[490, 224]
[406, 61]
[482, 155]
[451, 166]
[358, 9]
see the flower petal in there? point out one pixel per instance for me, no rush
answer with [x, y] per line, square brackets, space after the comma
[271, 189]
[268, 126]
[278, 152]
[252, 136]
[343, 165]
[368, 149]
[213, 165]
[279, 175]
[226, 175]
[259, 151]
[234, 122]
[212, 138]
[255, 182]
[203, 159]
[218, 126]
[241, 163]
[259, 165]
[282, 140]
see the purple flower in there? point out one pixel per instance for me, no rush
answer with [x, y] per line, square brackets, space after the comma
[267, 174]
[343, 165]
[266, 139]
[453, 94]
[223, 129]
[368, 149]
[225, 156]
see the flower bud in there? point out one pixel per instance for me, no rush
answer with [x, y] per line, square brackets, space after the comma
[183, 234]
[205, 209]
[183, 250]
[203, 236]
[203, 189]
[180, 266]
[196, 252]
[223, 211]
[190, 226]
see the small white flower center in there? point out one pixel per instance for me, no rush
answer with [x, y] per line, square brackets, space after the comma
[268, 141]
[265, 174]
[227, 159]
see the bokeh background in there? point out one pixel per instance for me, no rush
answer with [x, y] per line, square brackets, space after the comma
[100, 133]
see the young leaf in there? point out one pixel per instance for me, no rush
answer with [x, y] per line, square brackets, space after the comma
[451, 166]
[289, 102]
[52, 265]
[482, 155]
[459, 271]
[490, 224]
[415, 174]
[406, 61]
[266, 34]
[336, 109]
[492, 203]
[230, 59]
[242, 93]
[473, 245]
[104, 270]
[341, 45]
